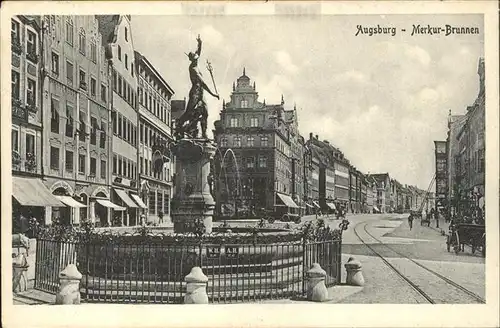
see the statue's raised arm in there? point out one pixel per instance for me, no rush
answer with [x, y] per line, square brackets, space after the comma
[198, 51]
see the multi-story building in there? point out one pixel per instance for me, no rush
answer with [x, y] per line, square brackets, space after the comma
[441, 158]
[455, 124]
[297, 158]
[371, 194]
[155, 135]
[363, 193]
[466, 175]
[253, 165]
[76, 119]
[118, 41]
[341, 169]
[383, 191]
[31, 198]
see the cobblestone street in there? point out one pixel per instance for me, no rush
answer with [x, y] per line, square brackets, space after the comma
[425, 246]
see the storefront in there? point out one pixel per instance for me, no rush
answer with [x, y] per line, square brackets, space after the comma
[31, 199]
[128, 216]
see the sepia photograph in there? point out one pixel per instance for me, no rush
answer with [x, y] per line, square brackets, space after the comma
[220, 157]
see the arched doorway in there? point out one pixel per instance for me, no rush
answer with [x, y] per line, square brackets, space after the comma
[61, 215]
[84, 199]
[101, 212]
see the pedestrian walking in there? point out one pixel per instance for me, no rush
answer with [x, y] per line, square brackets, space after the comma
[410, 221]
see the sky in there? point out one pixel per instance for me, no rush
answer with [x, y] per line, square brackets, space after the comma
[381, 99]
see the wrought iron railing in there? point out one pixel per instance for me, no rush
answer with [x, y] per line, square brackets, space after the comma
[150, 268]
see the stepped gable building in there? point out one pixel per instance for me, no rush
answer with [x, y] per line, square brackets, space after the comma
[119, 45]
[76, 119]
[155, 135]
[253, 164]
[31, 198]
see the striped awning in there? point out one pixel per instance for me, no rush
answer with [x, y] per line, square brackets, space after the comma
[70, 201]
[125, 198]
[32, 192]
[138, 200]
[331, 206]
[316, 204]
[287, 200]
[108, 204]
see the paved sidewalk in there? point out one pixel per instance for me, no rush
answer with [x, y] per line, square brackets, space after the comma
[33, 297]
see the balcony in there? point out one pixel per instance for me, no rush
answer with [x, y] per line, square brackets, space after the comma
[18, 111]
[83, 85]
[31, 107]
[16, 46]
[32, 56]
[30, 163]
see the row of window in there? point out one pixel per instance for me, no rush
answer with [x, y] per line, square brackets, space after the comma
[149, 135]
[124, 167]
[31, 90]
[82, 40]
[82, 78]
[70, 126]
[262, 162]
[158, 107]
[264, 141]
[126, 58]
[158, 202]
[234, 122]
[125, 129]
[82, 163]
[31, 40]
[29, 142]
[123, 89]
[146, 168]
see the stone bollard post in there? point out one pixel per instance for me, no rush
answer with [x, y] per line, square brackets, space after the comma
[354, 274]
[316, 288]
[69, 292]
[19, 267]
[196, 289]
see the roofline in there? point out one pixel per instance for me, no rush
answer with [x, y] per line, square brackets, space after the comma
[143, 58]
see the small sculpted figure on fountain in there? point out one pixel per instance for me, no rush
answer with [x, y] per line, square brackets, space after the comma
[196, 109]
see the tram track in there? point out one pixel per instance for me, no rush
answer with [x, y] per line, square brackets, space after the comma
[418, 289]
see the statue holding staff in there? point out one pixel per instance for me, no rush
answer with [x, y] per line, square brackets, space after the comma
[196, 109]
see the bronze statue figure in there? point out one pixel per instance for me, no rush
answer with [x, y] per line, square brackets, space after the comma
[196, 109]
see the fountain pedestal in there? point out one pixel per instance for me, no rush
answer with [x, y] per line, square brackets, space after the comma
[192, 200]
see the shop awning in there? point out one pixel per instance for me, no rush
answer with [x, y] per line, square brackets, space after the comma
[139, 201]
[32, 192]
[309, 205]
[107, 203]
[287, 200]
[125, 198]
[316, 204]
[331, 206]
[376, 208]
[70, 201]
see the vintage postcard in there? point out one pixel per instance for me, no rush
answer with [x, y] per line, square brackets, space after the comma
[250, 164]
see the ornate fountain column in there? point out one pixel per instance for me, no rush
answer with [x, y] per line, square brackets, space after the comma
[192, 199]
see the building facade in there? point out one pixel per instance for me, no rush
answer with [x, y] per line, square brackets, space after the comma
[76, 119]
[31, 197]
[155, 135]
[253, 164]
[383, 182]
[466, 155]
[118, 41]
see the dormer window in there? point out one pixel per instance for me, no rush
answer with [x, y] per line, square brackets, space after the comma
[244, 103]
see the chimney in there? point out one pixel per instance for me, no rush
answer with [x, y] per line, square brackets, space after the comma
[317, 137]
[310, 136]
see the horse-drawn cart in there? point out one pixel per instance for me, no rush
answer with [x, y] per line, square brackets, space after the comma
[461, 234]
